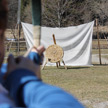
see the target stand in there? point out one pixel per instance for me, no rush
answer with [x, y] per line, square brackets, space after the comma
[54, 54]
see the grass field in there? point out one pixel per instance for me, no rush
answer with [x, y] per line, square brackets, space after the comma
[88, 84]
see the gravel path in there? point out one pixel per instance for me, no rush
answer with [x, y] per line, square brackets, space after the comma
[96, 105]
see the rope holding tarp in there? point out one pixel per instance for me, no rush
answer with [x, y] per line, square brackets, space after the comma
[36, 21]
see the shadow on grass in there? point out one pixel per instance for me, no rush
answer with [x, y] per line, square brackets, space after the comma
[77, 67]
[62, 67]
[71, 67]
[100, 65]
[68, 67]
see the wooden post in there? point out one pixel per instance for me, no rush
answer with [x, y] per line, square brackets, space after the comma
[98, 41]
[54, 39]
[58, 63]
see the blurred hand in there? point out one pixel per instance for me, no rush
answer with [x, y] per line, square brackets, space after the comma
[24, 62]
[40, 51]
[20, 63]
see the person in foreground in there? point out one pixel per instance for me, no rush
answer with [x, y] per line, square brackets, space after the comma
[21, 86]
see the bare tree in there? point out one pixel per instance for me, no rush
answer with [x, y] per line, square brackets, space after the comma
[12, 17]
[63, 13]
[57, 13]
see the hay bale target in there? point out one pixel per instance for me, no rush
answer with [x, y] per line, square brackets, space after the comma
[54, 53]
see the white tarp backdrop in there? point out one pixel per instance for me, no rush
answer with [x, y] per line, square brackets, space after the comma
[76, 42]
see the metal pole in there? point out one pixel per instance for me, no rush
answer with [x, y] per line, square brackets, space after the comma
[19, 12]
[36, 21]
[18, 24]
[98, 41]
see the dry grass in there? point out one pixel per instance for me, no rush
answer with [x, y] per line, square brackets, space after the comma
[96, 51]
[102, 29]
[86, 83]
[103, 44]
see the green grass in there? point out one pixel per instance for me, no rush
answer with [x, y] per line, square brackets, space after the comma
[86, 83]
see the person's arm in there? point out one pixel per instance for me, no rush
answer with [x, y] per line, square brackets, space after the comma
[3, 70]
[5, 106]
[28, 91]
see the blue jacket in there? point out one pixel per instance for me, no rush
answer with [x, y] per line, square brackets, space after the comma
[30, 92]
